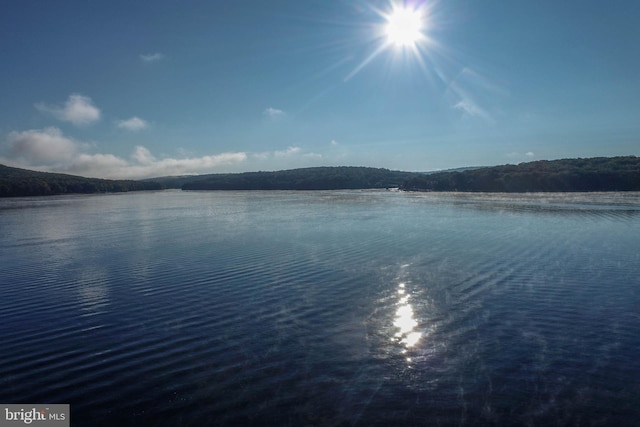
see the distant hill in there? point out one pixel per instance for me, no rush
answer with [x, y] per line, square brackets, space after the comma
[15, 182]
[177, 181]
[466, 168]
[316, 178]
[592, 174]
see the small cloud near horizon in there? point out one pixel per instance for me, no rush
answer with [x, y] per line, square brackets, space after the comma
[517, 155]
[288, 152]
[133, 124]
[314, 156]
[152, 57]
[78, 110]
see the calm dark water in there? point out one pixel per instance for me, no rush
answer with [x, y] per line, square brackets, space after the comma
[323, 308]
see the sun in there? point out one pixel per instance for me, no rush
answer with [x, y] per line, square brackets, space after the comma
[404, 26]
[403, 29]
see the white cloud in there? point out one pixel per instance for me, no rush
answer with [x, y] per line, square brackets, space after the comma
[97, 166]
[333, 142]
[42, 146]
[290, 157]
[143, 164]
[143, 156]
[529, 154]
[49, 149]
[261, 156]
[288, 152]
[152, 57]
[273, 113]
[78, 109]
[133, 124]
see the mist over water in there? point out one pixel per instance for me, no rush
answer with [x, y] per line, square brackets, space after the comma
[323, 308]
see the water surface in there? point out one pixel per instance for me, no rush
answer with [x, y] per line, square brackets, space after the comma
[323, 308]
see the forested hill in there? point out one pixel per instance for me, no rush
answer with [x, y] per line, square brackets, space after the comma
[16, 182]
[316, 178]
[593, 174]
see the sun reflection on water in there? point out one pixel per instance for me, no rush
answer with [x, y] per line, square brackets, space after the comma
[405, 321]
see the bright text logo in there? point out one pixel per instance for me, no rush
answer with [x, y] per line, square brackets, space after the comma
[39, 415]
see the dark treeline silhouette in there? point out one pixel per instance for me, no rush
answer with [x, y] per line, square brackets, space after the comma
[593, 174]
[317, 178]
[16, 182]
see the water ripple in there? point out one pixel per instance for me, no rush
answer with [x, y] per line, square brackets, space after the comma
[324, 308]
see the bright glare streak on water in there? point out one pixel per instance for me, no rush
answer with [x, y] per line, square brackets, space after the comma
[405, 320]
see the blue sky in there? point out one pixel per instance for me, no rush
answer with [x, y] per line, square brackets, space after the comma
[129, 89]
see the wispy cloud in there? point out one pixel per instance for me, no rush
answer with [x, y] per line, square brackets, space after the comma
[49, 149]
[333, 142]
[132, 124]
[78, 109]
[142, 164]
[472, 94]
[273, 113]
[152, 57]
[470, 109]
[291, 151]
[283, 158]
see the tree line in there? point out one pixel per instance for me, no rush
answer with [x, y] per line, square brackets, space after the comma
[15, 182]
[315, 178]
[566, 175]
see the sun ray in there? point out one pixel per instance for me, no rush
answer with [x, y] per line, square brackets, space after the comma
[366, 61]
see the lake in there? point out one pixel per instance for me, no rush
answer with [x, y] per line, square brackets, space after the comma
[325, 308]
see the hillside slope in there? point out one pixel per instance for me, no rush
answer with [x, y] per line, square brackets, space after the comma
[15, 182]
[592, 174]
[316, 178]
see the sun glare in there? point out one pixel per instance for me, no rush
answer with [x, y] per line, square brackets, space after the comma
[404, 26]
[402, 29]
